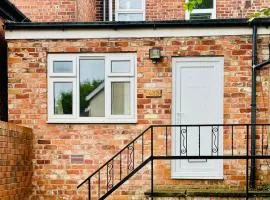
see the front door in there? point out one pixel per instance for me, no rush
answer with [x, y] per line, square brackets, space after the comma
[197, 99]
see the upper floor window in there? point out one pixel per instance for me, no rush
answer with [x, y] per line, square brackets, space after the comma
[129, 10]
[91, 88]
[206, 10]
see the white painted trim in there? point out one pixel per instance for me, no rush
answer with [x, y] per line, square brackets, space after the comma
[50, 101]
[212, 11]
[61, 57]
[75, 117]
[110, 10]
[104, 10]
[93, 121]
[119, 57]
[132, 97]
[131, 11]
[130, 33]
[220, 63]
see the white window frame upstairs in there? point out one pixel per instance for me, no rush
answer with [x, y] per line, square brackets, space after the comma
[128, 11]
[198, 11]
[75, 80]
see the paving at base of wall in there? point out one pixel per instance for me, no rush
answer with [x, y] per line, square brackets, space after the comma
[208, 195]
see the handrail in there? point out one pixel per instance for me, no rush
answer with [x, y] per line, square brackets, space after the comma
[102, 166]
[127, 177]
[216, 131]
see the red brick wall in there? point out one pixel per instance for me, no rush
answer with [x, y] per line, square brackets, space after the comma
[92, 10]
[86, 10]
[48, 10]
[239, 8]
[16, 153]
[164, 10]
[56, 175]
[174, 9]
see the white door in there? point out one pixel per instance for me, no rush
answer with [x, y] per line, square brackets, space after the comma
[197, 99]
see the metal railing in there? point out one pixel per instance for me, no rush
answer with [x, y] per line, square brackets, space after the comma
[211, 141]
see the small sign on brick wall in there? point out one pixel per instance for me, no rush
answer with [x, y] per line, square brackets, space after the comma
[153, 93]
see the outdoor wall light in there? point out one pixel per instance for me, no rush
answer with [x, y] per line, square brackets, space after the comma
[155, 54]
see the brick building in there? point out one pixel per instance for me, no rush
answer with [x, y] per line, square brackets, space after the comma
[88, 88]
[8, 12]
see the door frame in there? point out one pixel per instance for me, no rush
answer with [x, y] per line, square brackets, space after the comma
[175, 60]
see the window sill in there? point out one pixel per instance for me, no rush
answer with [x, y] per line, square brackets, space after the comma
[96, 121]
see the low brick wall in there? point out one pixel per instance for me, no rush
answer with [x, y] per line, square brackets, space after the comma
[16, 153]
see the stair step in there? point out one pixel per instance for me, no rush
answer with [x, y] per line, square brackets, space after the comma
[208, 193]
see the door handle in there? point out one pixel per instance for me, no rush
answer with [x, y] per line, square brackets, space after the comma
[178, 117]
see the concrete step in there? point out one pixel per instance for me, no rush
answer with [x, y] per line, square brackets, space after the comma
[208, 195]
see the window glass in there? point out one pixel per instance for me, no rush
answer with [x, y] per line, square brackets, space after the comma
[62, 67]
[92, 96]
[120, 98]
[122, 66]
[80, 97]
[206, 4]
[130, 17]
[195, 16]
[130, 4]
[63, 98]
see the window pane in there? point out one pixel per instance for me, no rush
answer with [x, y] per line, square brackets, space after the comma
[120, 66]
[195, 16]
[206, 4]
[62, 67]
[92, 96]
[130, 4]
[130, 17]
[63, 98]
[121, 98]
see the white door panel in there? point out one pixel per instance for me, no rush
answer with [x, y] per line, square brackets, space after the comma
[197, 99]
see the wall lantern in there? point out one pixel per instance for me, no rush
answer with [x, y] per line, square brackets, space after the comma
[155, 54]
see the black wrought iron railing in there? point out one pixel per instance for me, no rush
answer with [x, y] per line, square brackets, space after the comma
[211, 141]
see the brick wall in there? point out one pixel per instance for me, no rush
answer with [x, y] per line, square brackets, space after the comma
[86, 10]
[3, 75]
[164, 10]
[56, 144]
[16, 153]
[239, 8]
[92, 10]
[48, 10]
[174, 9]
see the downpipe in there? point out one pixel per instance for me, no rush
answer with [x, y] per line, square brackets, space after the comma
[255, 67]
[253, 107]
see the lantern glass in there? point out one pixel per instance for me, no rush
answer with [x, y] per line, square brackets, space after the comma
[154, 53]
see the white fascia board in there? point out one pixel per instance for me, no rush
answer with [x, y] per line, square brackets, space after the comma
[131, 33]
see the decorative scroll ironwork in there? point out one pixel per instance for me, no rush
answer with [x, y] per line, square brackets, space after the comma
[110, 175]
[183, 140]
[126, 156]
[215, 131]
[131, 157]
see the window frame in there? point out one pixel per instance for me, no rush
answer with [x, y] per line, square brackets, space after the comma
[109, 78]
[212, 11]
[51, 105]
[129, 11]
[59, 58]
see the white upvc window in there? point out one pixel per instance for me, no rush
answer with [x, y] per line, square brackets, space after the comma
[207, 10]
[129, 10]
[92, 88]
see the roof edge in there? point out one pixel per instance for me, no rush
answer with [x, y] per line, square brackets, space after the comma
[10, 12]
[140, 24]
